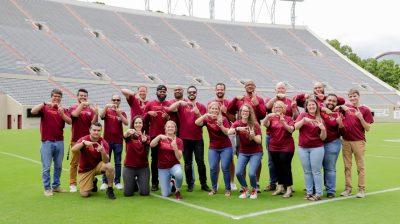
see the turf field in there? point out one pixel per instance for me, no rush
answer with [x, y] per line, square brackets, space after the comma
[22, 200]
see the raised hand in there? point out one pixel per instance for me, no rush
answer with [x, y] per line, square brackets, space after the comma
[358, 114]
[152, 113]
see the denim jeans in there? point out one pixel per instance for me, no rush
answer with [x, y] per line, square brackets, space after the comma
[117, 148]
[311, 160]
[214, 157]
[51, 151]
[332, 150]
[164, 175]
[254, 160]
[271, 167]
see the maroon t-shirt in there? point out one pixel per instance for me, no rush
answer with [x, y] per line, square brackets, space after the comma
[246, 145]
[288, 103]
[332, 127]
[166, 154]
[353, 129]
[218, 140]
[136, 152]
[280, 139]
[82, 123]
[259, 110]
[156, 124]
[173, 116]
[136, 105]
[51, 124]
[113, 126]
[89, 157]
[188, 129]
[301, 99]
[309, 133]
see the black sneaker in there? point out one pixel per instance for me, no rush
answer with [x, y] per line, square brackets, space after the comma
[205, 187]
[110, 193]
[95, 189]
[154, 187]
[330, 195]
[173, 188]
[190, 188]
[258, 189]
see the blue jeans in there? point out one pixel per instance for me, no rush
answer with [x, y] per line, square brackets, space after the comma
[117, 148]
[332, 150]
[51, 151]
[254, 160]
[225, 156]
[164, 176]
[311, 160]
[271, 167]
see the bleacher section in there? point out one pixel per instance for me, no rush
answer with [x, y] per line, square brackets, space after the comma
[101, 48]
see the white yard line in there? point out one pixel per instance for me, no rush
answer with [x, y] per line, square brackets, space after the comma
[384, 157]
[392, 140]
[237, 217]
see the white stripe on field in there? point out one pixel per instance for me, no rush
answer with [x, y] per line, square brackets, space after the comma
[385, 157]
[236, 217]
[392, 140]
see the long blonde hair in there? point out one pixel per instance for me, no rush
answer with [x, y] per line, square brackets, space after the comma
[252, 117]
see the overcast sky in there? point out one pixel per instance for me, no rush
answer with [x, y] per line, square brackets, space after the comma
[370, 27]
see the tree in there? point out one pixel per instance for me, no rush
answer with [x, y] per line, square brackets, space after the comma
[386, 70]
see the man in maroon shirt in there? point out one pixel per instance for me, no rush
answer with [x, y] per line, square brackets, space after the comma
[114, 118]
[178, 95]
[52, 121]
[156, 112]
[192, 136]
[258, 105]
[93, 160]
[357, 119]
[318, 94]
[137, 101]
[83, 115]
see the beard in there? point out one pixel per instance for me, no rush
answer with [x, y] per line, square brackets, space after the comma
[191, 97]
[161, 98]
[330, 106]
[178, 96]
[220, 95]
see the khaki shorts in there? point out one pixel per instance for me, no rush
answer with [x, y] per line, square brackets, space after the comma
[86, 179]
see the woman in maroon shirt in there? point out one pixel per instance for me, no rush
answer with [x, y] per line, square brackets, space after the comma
[136, 167]
[250, 149]
[311, 147]
[220, 149]
[169, 153]
[281, 146]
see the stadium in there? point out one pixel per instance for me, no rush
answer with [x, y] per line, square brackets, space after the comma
[66, 44]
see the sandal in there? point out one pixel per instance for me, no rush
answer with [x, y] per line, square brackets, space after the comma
[314, 198]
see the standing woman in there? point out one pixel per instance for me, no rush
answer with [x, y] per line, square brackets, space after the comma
[136, 167]
[311, 147]
[169, 153]
[220, 146]
[281, 146]
[250, 149]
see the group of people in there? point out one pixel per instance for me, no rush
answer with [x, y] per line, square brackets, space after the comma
[171, 129]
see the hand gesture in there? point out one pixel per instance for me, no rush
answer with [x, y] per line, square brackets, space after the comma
[183, 103]
[282, 119]
[219, 122]
[109, 105]
[61, 110]
[308, 120]
[339, 119]
[319, 124]
[88, 143]
[358, 114]
[326, 110]
[223, 109]
[86, 103]
[239, 97]
[163, 137]
[241, 129]
[100, 148]
[196, 110]
[165, 116]
[252, 134]
[152, 113]
[254, 99]
[144, 137]
[174, 144]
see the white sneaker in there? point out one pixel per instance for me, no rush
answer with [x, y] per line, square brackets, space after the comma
[72, 188]
[360, 194]
[346, 193]
[48, 193]
[244, 194]
[233, 187]
[103, 187]
[253, 194]
[119, 186]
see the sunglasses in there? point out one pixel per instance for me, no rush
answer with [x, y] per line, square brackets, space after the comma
[116, 100]
[192, 92]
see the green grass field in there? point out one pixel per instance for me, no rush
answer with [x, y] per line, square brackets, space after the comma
[22, 200]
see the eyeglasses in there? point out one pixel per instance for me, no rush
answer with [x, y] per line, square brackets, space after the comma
[116, 100]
